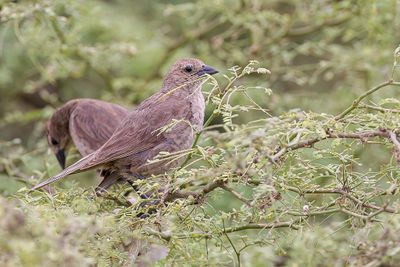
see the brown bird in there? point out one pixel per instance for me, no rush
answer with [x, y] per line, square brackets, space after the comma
[165, 122]
[88, 123]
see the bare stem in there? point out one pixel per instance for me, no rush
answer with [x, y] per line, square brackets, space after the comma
[385, 110]
[177, 194]
[363, 136]
[236, 194]
[343, 193]
[250, 226]
[357, 101]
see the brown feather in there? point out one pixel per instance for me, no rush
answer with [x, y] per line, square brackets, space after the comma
[93, 122]
[138, 138]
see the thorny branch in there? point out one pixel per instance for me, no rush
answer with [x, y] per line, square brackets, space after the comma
[357, 101]
[172, 195]
[395, 140]
[342, 192]
[387, 110]
[251, 226]
[363, 136]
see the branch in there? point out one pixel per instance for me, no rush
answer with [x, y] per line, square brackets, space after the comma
[314, 213]
[357, 101]
[236, 194]
[386, 110]
[351, 213]
[251, 226]
[329, 135]
[373, 214]
[232, 245]
[371, 206]
[341, 209]
[340, 192]
[361, 135]
[176, 194]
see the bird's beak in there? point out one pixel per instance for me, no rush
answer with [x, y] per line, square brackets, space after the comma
[60, 155]
[206, 70]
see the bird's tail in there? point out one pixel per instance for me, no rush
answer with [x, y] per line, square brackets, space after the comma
[79, 166]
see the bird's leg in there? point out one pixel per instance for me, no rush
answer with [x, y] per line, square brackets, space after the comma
[139, 176]
[135, 187]
[137, 190]
[109, 178]
[150, 210]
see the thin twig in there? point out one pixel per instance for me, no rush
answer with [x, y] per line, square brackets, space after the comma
[177, 194]
[313, 213]
[250, 226]
[236, 194]
[253, 226]
[385, 110]
[363, 136]
[340, 192]
[353, 214]
[373, 214]
[357, 101]
[237, 253]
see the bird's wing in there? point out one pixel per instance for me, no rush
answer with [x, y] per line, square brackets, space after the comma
[138, 132]
[93, 122]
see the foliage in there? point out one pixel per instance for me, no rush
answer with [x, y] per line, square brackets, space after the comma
[303, 174]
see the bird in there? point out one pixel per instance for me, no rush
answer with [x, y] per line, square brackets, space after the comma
[88, 123]
[164, 122]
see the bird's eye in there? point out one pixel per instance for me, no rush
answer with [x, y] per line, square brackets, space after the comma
[54, 142]
[189, 68]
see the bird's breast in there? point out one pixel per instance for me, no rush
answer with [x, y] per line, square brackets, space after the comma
[182, 135]
[196, 116]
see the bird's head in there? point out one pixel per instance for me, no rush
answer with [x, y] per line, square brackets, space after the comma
[187, 73]
[58, 139]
